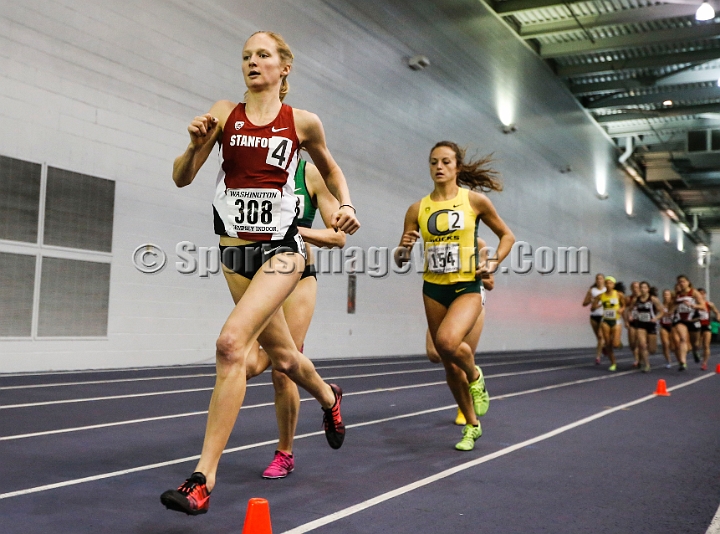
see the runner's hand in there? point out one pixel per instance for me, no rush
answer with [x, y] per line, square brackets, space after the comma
[201, 129]
[409, 239]
[344, 219]
[486, 267]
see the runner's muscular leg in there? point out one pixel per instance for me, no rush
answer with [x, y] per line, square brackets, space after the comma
[237, 336]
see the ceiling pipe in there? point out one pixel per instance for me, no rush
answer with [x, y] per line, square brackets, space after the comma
[695, 222]
[629, 148]
[664, 202]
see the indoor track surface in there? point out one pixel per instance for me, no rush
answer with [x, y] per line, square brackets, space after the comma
[567, 447]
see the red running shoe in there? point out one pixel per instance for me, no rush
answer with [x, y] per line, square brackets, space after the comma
[192, 497]
[332, 421]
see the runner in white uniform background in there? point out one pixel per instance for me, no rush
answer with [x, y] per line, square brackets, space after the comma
[596, 315]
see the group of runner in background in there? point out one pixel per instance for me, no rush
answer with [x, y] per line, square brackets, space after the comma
[681, 317]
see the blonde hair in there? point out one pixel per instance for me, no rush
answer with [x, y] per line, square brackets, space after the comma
[286, 56]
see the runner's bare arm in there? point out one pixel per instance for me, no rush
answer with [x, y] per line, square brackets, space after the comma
[410, 235]
[204, 130]
[327, 204]
[486, 211]
[488, 279]
[312, 138]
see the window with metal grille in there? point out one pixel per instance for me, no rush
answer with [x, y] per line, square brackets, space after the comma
[56, 229]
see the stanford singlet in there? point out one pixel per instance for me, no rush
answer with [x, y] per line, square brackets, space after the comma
[255, 190]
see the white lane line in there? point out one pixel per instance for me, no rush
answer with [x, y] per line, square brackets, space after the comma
[206, 375]
[312, 525]
[250, 406]
[403, 360]
[257, 384]
[300, 436]
[714, 527]
[95, 382]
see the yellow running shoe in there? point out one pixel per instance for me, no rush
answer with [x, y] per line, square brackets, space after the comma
[612, 368]
[470, 435]
[460, 419]
[479, 394]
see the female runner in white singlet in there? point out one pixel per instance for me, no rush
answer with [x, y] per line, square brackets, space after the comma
[705, 332]
[597, 314]
[648, 311]
[630, 318]
[263, 255]
[666, 327]
[687, 327]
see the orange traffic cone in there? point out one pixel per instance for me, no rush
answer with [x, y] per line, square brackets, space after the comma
[257, 518]
[662, 389]
[717, 369]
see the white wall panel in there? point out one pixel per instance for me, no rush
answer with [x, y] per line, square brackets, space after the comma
[107, 89]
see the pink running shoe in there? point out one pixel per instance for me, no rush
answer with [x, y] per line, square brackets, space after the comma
[281, 466]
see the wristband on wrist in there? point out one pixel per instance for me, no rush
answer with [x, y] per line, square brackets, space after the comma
[348, 206]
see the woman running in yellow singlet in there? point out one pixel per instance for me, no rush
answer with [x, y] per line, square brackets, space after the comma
[447, 219]
[613, 305]
[473, 338]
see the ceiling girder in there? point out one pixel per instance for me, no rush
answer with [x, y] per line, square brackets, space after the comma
[677, 78]
[675, 93]
[626, 16]
[611, 44]
[649, 62]
[669, 112]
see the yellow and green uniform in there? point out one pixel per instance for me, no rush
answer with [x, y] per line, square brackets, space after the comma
[610, 306]
[449, 230]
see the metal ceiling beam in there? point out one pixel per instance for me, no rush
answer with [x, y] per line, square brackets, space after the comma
[509, 7]
[649, 62]
[702, 176]
[626, 16]
[676, 93]
[681, 77]
[669, 112]
[666, 131]
[712, 211]
[692, 33]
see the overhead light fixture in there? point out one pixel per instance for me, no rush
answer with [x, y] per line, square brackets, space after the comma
[705, 12]
[667, 103]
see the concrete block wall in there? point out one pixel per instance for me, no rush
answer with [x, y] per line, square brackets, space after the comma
[108, 88]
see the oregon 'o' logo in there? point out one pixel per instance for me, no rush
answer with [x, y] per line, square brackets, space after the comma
[432, 223]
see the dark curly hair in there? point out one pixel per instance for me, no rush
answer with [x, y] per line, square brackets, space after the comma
[477, 175]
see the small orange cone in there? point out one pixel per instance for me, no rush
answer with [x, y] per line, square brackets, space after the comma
[662, 389]
[717, 369]
[257, 518]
